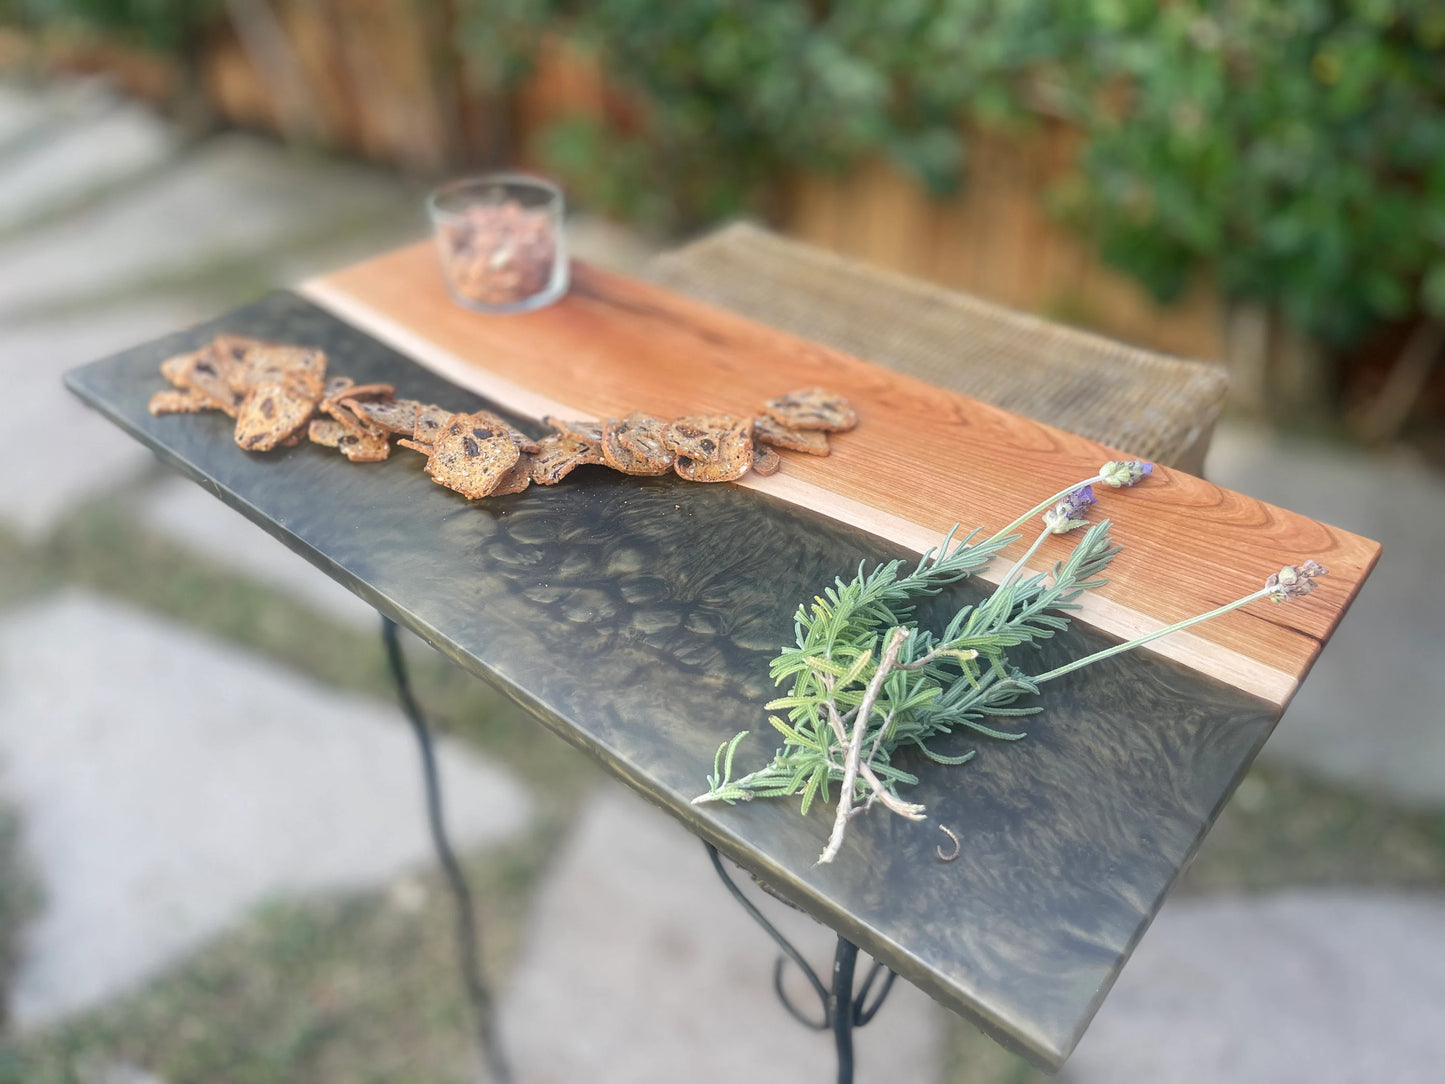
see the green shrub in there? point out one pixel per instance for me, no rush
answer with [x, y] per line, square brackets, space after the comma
[1296, 148]
[169, 26]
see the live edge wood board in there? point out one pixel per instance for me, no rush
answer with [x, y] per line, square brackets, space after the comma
[636, 617]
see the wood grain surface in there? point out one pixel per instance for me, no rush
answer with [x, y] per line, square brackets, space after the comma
[921, 460]
[636, 618]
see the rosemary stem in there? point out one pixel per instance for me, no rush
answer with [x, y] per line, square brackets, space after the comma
[1119, 649]
[855, 745]
[1043, 506]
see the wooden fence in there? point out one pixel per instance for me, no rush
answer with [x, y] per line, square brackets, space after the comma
[997, 239]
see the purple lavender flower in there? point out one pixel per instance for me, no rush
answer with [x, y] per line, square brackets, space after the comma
[1080, 500]
[1291, 582]
[1125, 472]
[1071, 512]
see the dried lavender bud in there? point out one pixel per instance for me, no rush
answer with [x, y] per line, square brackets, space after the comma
[1291, 582]
[1071, 512]
[1125, 472]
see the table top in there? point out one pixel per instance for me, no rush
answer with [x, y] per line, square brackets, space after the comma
[636, 617]
[1158, 407]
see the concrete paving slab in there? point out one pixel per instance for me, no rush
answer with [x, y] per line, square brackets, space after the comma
[80, 156]
[641, 968]
[1328, 987]
[167, 783]
[1369, 714]
[236, 195]
[44, 477]
[26, 108]
[185, 513]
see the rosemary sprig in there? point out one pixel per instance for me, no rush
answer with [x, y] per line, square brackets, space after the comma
[865, 681]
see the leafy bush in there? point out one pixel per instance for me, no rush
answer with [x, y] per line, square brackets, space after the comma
[1295, 147]
[170, 26]
[1298, 148]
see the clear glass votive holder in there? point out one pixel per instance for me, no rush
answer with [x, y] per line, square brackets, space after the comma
[501, 241]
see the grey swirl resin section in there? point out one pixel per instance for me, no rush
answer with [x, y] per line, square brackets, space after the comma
[637, 617]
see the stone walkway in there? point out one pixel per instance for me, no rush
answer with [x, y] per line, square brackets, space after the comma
[153, 826]
[656, 971]
[169, 784]
[1311, 986]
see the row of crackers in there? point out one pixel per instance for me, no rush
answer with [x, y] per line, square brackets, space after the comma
[281, 394]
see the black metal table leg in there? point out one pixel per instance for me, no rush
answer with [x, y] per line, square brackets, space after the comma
[467, 941]
[843, 1009]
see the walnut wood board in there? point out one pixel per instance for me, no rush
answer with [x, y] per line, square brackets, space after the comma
[636, 618]
[922, 459]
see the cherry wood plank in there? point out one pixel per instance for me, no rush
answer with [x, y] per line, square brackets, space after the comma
[921, 459]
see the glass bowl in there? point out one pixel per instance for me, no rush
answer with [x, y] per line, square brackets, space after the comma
[501, 241]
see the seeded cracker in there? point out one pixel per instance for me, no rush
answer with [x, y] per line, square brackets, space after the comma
[275, 409]
[368, 449]
[525, 443]
[430, 418]
[765, 460]
[622, 456]
[235, 350]
[813, 408]
[327, 432]
[429, 421]
[206, 371]
[472, 453]
[269, 363]
[371, 391]
[393, 415]
[645, 436]
[388, 415]
[711, 447]
[181, 401]
[768, 430]
[591, 432]
[356, 423]
[560, 455]
[516, 479]
[336, 386]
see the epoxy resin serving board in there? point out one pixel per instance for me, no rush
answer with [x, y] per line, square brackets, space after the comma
[637, 616]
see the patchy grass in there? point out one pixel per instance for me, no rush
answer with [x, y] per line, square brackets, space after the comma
[347, 989]
[19, 897]
[1283, 829]
[970, 1057]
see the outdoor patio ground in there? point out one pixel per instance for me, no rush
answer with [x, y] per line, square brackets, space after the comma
[184, 897]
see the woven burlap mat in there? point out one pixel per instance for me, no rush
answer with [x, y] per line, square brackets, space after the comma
[1150, 405]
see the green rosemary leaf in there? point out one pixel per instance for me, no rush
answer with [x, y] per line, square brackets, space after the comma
[792, 736]
[943, 758]
[811, 789]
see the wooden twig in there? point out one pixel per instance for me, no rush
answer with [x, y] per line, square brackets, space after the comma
[911, 810]
[855, 743]
[957, 846]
